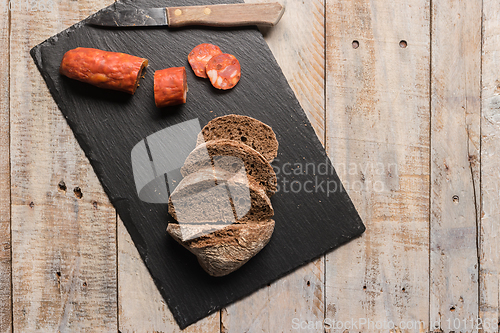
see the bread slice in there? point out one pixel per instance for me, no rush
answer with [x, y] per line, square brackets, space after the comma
[247, 130]
[216, 196]
[197, 198]
[224, 251]
[230, 156]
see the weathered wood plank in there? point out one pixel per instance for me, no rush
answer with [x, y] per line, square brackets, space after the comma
[5, 259]
[141, 307]
[297, 43]
[64, 244]
[490, 161]
[377, 131]
[455, 181]
[296, 299]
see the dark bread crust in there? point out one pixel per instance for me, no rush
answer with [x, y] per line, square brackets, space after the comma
[247, 130]
[225, 250]
[255, 164]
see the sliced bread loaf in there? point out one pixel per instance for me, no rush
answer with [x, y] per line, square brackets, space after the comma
[209, 196]
[247, 130]
[216, 153]
[224, 251]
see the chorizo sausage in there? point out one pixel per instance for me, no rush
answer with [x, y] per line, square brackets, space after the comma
[224, 71]
[109, 70]
[170, 86]
[199, 57]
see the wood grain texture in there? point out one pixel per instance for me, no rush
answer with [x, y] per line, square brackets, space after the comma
[5, 245]
[63, 226]
[301, 57]
[489, 274]
[141, 307]
[298, 44]
[232, 15]
[377, 131]
[455, 162]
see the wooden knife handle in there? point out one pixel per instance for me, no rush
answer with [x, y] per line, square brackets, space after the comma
[232, 15]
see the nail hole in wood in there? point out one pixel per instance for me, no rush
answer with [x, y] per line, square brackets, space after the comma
[85, 283]
[364, 287]
[308, 283]
[404, 289]
[456, 199]
[58, 274]
[94, 204]
[78, 192]
[355, 44]
[403, 44]
[452, 309]
[62, 186]
[32, 204]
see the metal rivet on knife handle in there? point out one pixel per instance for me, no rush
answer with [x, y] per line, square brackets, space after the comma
[178, 12]
[207, 11]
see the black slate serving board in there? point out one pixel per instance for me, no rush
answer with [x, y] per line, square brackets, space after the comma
[109, 124]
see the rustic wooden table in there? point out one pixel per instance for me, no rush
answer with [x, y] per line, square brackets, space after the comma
[404, 94]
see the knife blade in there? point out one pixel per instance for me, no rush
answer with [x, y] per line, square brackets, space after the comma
[228, 15]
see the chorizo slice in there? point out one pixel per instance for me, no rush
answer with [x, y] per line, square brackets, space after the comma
[224, 71]
[170, 86]
[199, 57]
[104, 69]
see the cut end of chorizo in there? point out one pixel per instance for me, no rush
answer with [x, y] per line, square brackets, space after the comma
[224, 71]
[104, 69]
[199, 57]
[138, 78]
[170, 86]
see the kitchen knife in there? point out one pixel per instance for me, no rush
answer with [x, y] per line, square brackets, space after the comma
[229, 15]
